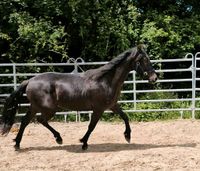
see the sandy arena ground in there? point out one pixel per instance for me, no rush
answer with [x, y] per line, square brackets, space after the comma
[167, 145]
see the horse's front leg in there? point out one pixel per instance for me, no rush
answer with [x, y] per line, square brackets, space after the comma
[94, 119]
[127, 134]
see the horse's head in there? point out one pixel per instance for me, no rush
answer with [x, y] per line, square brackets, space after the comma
[143, 65]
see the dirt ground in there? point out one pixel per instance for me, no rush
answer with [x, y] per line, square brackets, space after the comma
[166, 145]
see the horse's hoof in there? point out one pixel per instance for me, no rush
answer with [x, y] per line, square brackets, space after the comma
[59, 140]
[127, 137]
[84, 147]
[17, 148]
[128, 140]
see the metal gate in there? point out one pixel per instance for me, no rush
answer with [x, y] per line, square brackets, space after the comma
[14, 72]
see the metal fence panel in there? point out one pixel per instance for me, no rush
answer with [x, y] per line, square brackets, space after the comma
[133, 81]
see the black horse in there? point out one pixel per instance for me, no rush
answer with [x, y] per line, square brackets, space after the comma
[96, 90]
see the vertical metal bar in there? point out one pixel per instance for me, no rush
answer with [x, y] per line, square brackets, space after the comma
[75, 68]
[193, 70]
[181, 114]
[79, 116]
[65, 116]
[193, 85]
[134, 90]
[76, 116]
[90, 116]
[14, 77]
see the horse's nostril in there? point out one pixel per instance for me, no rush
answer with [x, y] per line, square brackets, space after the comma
[153, 78]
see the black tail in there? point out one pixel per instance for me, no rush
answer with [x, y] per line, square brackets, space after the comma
[10, 108]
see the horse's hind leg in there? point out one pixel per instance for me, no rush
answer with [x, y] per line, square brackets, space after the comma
[43, 119]
[25, 121]
[127, 134]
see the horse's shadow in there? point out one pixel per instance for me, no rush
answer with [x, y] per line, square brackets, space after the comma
[107, 147]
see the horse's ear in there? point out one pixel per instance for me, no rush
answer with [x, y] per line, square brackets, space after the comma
[141, 47]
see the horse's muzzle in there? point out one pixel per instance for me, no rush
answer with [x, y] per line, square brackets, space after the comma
[152, 77]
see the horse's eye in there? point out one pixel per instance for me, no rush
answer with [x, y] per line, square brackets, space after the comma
[138, 63]
[145, 59]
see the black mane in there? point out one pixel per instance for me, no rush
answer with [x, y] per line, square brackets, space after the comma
[113, 64]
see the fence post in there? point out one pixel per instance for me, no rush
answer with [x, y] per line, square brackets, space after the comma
[134, 90]
[65, 117]
[193, 85]
[14, 77]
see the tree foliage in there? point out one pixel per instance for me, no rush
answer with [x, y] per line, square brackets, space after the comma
[98, 30]
[50, 31]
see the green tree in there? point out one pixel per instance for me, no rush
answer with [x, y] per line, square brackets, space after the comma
[48, 30]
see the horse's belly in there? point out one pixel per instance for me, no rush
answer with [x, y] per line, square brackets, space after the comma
[81, 97]
[75, 104]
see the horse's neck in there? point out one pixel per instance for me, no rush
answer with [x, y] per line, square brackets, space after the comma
[120, 74]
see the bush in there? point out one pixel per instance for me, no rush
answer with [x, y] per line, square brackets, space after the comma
[163, 115]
